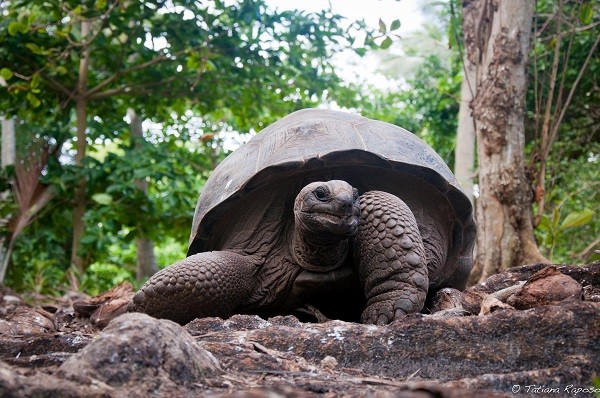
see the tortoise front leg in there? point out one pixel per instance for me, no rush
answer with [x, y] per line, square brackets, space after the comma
[205, 284]
[391, 259]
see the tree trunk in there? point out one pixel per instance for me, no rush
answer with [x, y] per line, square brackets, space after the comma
[146, 261]
[465, 135]
[8, 142]
[80, 197]
[8, 159]
[497, 35]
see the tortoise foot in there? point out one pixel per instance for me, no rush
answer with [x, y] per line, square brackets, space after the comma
[202, 285]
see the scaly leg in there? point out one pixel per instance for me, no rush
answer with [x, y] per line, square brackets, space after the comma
[202, 285]
[391, 259]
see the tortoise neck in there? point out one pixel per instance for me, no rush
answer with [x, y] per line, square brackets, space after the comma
[318, 255]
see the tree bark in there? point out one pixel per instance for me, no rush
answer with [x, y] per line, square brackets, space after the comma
[465, 134]
[146, 261]
[80, 195]
[497, 35]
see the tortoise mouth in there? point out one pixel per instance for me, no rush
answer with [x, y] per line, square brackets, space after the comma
[326, 224]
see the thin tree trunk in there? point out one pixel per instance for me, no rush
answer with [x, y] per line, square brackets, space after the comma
[80, 196]
[8, 159]
[540, 189]
[465, 135]
[497, 36]
[5, 255]
[146, 261]
[8, 142]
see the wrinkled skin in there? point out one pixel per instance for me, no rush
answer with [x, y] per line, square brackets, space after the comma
[366, 248]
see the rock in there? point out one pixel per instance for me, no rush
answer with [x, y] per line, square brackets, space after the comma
[11, 300]
[328, 363]
[490, 304]
[588, 276]
[144, 356]
[536, 284]
[557, 339]
[548, 286]
[45, 352]
[27, 321]
[452, 302]
[15, 385]
[446, 299]
[107, 306]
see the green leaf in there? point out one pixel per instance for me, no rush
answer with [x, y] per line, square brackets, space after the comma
[586, 13]
[16, 27]
[100, 4]
[192, 62]
[545, 224]
[360, 51]
[577, 219]
[102, 198]
[395, 25]
[386, 43]
[382, 27]
[34, 48]
[33, 100]
[35, 81]
[555, 218]
[6, 73]
[209, 65]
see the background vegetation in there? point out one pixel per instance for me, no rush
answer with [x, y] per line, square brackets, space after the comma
[205, 75]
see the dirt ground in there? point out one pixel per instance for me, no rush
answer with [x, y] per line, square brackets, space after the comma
[534, 327]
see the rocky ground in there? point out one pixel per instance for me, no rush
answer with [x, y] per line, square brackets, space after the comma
[534, 331]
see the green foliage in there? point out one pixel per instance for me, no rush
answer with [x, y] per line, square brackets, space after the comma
[101, 277]
[169, 251]
[385, 34]
[571, 172]
[118, 264]
[551, 229]
[237, 60]
[196, 69]
[45, 278]
[40, 254]
[570, 224]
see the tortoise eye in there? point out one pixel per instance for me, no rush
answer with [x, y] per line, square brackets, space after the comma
[321, 194]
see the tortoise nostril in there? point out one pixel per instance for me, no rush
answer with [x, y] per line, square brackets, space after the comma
[346, 207]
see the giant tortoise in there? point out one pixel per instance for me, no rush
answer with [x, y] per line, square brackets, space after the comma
[323, 214]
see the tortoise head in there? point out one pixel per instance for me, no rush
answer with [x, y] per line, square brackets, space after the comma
[327, 211]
